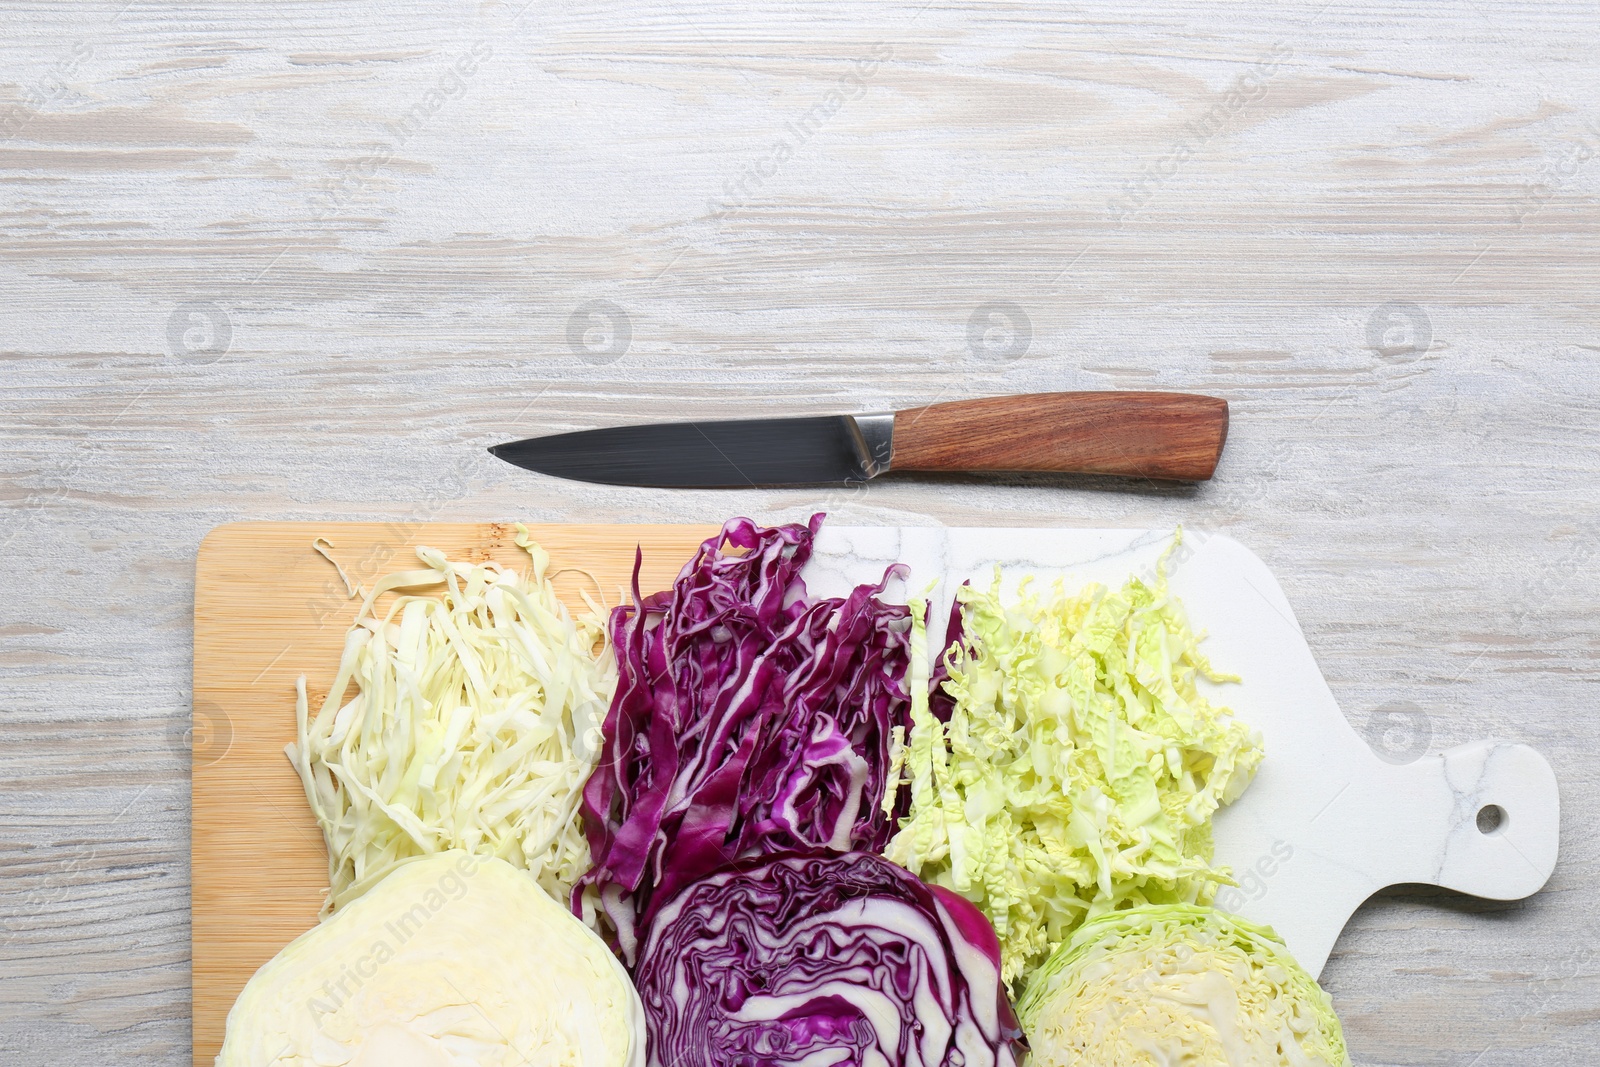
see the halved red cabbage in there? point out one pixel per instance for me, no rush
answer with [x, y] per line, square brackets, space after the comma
[747, 720]
[843, 960]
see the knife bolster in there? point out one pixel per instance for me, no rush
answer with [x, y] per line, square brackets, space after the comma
[873, 438]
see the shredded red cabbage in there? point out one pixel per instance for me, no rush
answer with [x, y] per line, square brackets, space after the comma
[748, 720]
[837, 959]
[940, 702]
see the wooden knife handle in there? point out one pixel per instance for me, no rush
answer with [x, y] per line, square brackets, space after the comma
[1176, 436]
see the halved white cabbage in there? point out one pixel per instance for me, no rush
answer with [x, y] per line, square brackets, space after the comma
[451, 961]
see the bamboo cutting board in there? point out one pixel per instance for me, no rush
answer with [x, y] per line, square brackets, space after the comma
[1326, 822]
[268, 609]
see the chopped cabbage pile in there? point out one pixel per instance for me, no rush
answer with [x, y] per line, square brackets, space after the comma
[1077, 766]
[475, 723]
[1177, 983]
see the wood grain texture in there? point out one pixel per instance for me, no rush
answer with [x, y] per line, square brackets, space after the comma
[267, 610]
[279, 262]
[1171, 436]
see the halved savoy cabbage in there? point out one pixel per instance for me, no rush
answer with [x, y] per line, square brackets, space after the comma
[1166, 984]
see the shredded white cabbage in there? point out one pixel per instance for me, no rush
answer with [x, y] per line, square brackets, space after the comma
[476, 721]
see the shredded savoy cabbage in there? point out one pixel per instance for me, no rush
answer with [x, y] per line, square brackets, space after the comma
[1079, 766]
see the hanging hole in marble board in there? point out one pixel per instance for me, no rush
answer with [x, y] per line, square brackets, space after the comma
[1491, 819]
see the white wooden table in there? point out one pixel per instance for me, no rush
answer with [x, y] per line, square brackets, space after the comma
[306, 260]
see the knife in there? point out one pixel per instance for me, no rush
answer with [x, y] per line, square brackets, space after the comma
[1168, 436]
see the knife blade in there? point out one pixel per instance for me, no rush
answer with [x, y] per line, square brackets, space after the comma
[1165, 436]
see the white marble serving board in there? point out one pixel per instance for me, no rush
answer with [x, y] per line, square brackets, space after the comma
[1327, 822]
